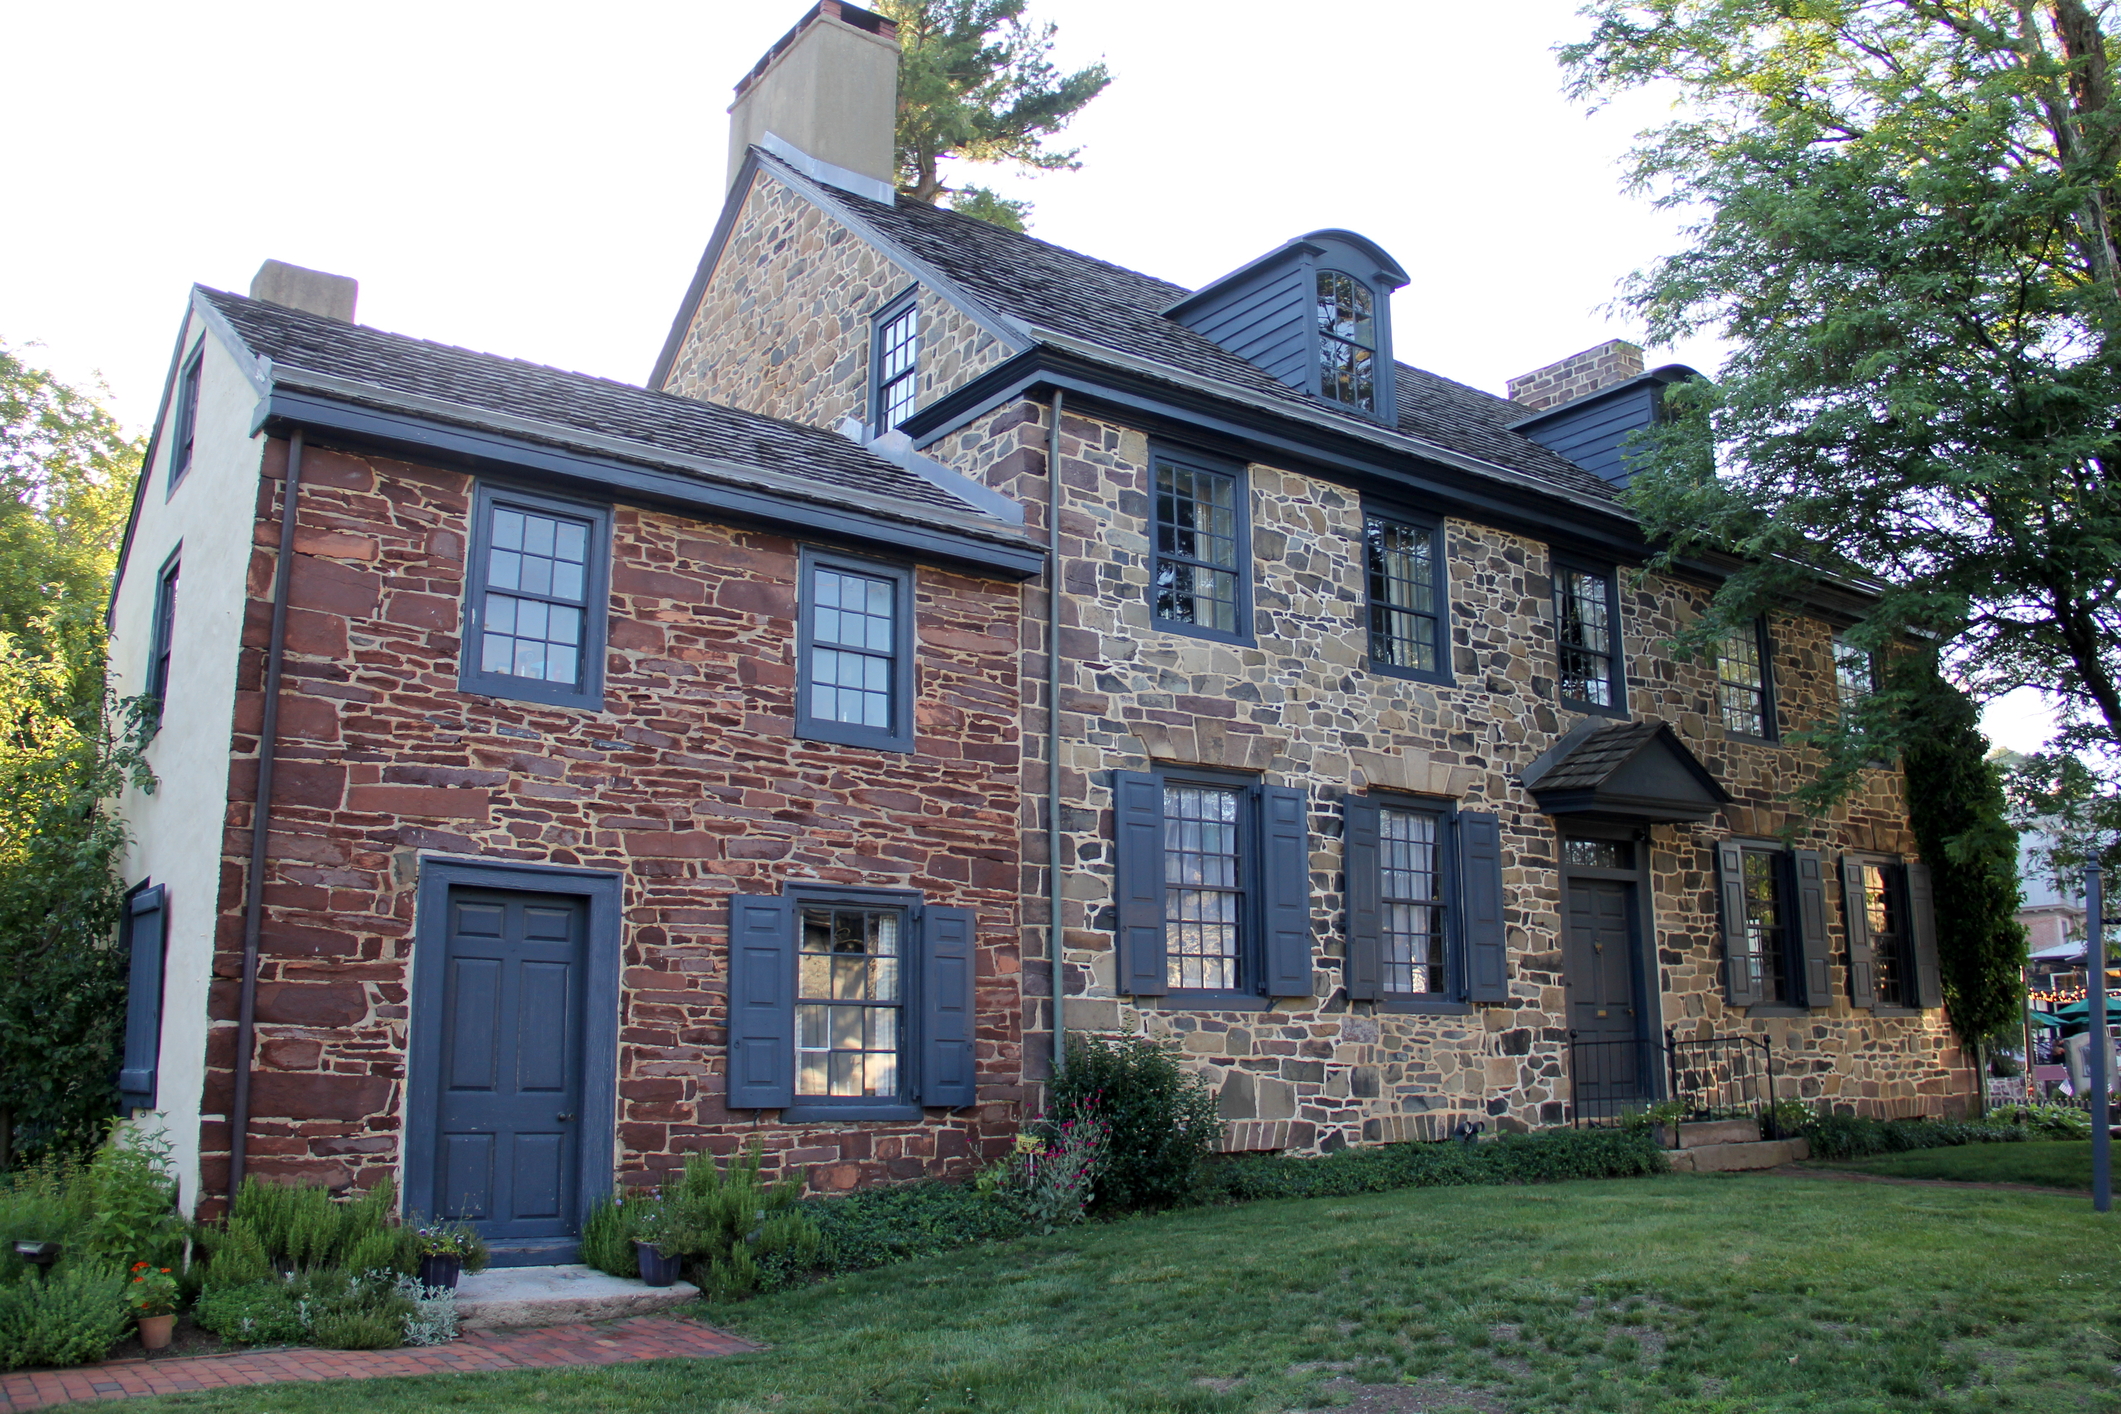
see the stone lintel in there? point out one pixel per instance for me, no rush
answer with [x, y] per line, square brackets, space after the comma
[1409, 770]
[1207, 743]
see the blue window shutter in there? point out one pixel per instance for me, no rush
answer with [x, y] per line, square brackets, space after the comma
[1922, 935]
[1487, 944]
[1739, 986]
[948, 1025]
[1863, 955]
[1811, 926]
[1363, 971]
[1138, 860]
[1285, 888]
[143, 1000]
[761, 1002]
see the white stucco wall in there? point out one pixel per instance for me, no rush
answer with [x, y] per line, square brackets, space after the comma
[177, 830]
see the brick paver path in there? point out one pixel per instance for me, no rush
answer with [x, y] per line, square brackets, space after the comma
[548, 1347]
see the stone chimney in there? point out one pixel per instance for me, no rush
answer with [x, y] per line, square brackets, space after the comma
[311, 291]
[829, 91]
[1577, 376]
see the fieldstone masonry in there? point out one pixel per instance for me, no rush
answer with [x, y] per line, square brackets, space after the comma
[1299, 706]
[690, 781]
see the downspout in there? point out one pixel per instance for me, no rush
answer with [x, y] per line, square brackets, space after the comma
[1053, 729]
[261, 819]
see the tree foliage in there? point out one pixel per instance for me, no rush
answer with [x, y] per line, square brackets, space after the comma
[1905, 227]
[1955, 806]
[65, 753]
[976, 84]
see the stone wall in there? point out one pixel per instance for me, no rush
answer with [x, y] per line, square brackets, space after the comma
[783, 327]
[690, 782]
[1301, 707]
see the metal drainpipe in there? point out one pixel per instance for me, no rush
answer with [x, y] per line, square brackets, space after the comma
[261, 819]
[1053, 729]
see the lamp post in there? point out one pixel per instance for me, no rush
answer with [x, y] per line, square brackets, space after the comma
[2101, 1054]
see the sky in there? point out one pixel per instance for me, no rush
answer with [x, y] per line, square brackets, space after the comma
[538, 180]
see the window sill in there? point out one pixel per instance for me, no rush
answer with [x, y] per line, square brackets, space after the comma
[1209, 1001]
[1777, 1009]
[1592, 709]
[1896, 1011]
[853, 736]
[850, 1113]
[1434, 678]
[503, 689]
[1732, 734]
[1411, 1006]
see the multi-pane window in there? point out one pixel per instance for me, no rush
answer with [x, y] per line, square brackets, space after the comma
[849, 996]
[1597, 854]
[1195, 579]
[1347, 341]
[537, 596]
[1767, 925]
[853, 634]
[898, 363]
[1855, 674]
[1741, 682]
[1584, 612]
[1203, 889]
[1406, 616]
[187, 428]
[1411, 863]
[1885, 919]
[161, 635]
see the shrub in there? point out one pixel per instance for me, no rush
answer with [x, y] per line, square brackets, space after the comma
[1854, 1136]
[724, 1220]
[879, 1226]
[131, 1201]
[71, 1318]
[1051, 1183]
[262, 1312]
[1162, 1118]
[46, 1202]
[2043, 1121]
[301, 1228]
[1550, 1156]
[608, 1232]
[434, 1313]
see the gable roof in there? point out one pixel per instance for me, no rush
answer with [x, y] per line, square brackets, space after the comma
[444, 377]
[1631, 772]
[1064, 298]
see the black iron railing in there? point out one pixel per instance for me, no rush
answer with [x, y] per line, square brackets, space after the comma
[1711, 1077]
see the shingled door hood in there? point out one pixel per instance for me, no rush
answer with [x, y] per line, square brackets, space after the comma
[1624, 773]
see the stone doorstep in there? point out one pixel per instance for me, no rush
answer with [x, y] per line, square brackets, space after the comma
[554, 1296]
[1736, 1158]
[1698, 1134]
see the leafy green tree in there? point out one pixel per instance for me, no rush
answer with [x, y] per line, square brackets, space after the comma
[1955, 805]
[66, 473]
[975, 84]
[1905, 227]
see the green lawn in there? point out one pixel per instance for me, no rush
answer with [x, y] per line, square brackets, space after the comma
[2049, 1163]
[1703, 1293]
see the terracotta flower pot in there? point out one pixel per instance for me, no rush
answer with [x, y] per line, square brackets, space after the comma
[441, 1271]
[155, 1330]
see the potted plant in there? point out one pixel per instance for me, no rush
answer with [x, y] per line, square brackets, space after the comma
[152, 1293]
[656, 1245]
[447, 1251]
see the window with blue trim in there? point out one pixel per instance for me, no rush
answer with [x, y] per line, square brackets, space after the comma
[1587, 623]
[1198, 548]
[1744, 687]
[161, 638]
[855, 651]
[1404, 577]
[1414, 880]
[896, 357]
[536, 592]
[186, 432]
[1347, 340]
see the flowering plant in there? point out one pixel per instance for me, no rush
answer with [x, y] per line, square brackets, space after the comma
[152, 1291]
[442, 1239]
[1048, 1177]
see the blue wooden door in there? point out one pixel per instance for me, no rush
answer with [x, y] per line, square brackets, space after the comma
[1609, 1061]
[510, 1141]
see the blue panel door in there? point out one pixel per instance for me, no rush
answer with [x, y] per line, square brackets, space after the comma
[1598, 956]
[510, 1144]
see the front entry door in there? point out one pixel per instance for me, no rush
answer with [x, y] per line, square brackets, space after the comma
[511, 1066]
[1599, 965]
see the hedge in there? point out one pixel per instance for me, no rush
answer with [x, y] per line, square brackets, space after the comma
[1547, 1157]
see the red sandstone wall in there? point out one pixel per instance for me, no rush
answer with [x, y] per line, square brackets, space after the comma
[690, 782]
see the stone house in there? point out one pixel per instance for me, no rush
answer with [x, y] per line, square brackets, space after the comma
[1379, 789]
[489, 696]
[961, 642]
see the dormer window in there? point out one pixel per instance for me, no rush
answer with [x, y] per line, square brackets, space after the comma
[1347, 341]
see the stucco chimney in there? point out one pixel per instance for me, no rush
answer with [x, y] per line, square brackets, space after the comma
[828, 91]
[311, 291]
[1578, 375]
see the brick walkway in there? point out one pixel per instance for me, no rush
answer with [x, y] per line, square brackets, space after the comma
[549, 1347]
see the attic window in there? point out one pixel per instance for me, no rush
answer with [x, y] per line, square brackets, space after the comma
[1347, 341]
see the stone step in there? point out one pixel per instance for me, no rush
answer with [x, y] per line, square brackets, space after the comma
[1696, 1134]
[1735, 1158]
[557, 1296]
